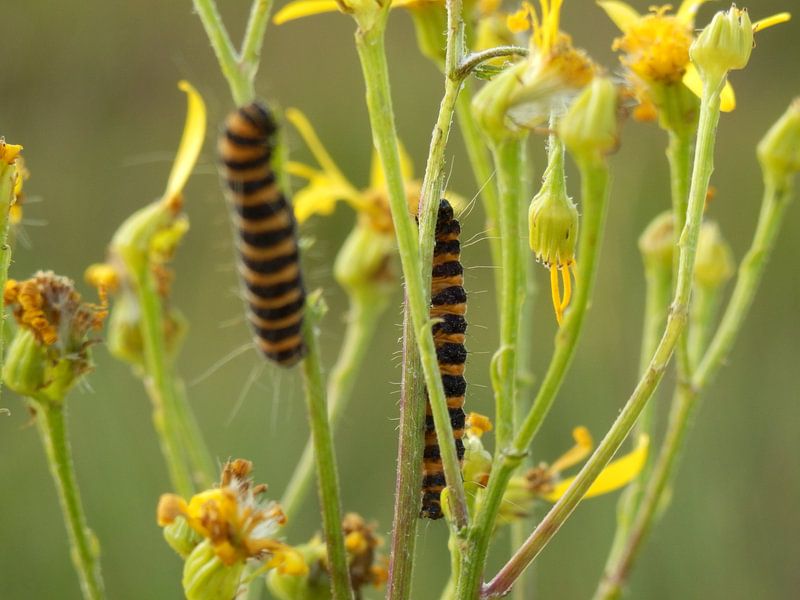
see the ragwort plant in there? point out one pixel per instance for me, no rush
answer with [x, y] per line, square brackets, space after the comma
[228, 534]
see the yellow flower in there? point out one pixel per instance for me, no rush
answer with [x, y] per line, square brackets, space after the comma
[327, 185]
[656, 46]
[544, 481]
[234, 518]
[9, 152]
[521, 97]
[478, 424]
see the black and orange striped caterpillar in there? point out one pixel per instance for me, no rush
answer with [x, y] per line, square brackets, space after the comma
[448, 305]
[269, 263]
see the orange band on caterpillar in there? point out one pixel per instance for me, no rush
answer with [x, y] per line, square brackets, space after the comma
[266, 234]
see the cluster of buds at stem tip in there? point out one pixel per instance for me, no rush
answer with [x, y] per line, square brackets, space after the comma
[50, 350]
[779, 151]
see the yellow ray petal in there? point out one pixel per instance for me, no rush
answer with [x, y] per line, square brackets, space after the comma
[377, 180]
[622, 13]
[9, 152]
[688, 11]
[320, 198]
[306, 131]
[581, 449]
[771, 21]
[692, 80]
[303, 8]
[194, 132]
[617, 474]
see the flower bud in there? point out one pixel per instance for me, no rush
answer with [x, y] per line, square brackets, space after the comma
[308, 584]
[24, 368]
[779, 151]
[364, 260]
[206, 577]
[724, 45]
[714, 263]
[590, 127]
[181, 537]
[657, 242]
[553, 217]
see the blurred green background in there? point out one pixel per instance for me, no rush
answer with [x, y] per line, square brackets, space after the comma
[89, 88]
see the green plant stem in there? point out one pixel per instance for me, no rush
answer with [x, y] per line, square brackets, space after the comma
[253, 41]
[371, 51]
[204, 469]
[676, 323]
[705, 306]
[8, 175]
[409, 459]
[327, 474]
[659, 289]
[594, 194]
[366, 310]
[52, 430]
[658, 292]
[160, 385]
[508, 158]
[776, 198]
[483, 171]
[239, 69]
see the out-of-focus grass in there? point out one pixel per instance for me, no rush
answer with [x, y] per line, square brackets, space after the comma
[91, 94]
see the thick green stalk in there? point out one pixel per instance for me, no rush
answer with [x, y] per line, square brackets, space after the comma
[371, 51]
[250, 55]
[366, 310]
[8, 175]
[52, 430]
[160, 384]
[676, 323]
[704, 310]
[409, 461]
[594, 194]
[327, 474]
[509, 161]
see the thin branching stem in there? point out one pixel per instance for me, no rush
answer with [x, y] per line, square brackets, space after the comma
[676, 323]
[52, 430]
[776, 198]
[474, 60]
[250, 56]
[594, 196]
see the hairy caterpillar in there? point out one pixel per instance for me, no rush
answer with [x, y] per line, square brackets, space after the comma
[269, 263]
[448, 305]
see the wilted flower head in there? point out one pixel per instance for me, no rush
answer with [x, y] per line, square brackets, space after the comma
[522, 96]
[365, 565]
[51, 349]
[235, 518]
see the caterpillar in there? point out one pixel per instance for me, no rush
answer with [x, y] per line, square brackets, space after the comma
[448, 305]
[268, 264]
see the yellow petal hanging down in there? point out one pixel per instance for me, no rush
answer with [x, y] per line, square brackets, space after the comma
[319, 197]
[617, 474]
[621, 13]
[691, 79]
[194, 132]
